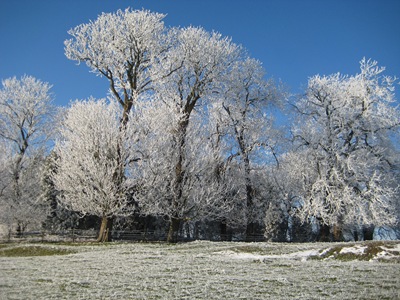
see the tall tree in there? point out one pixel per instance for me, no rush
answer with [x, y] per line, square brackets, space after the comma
[89, 157]
[189, 73]
[25, 120]
[246, 119]
[346, 130]
[122, 47]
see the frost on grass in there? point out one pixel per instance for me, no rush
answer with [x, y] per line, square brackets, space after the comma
[198, 270]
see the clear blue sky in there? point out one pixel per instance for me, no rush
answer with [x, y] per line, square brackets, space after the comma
[294, 39]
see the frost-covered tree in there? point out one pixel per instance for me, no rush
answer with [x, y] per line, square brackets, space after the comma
[5, 154]
[186, 77]
[122, 47]
[91, 153]
[59, 217]
[245, 119]
[294, 174]
[156, 193]
[346, 129]
[25, 123]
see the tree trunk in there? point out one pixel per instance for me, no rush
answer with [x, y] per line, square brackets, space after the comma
[173, 230]
[19, 230]
[21, 227]
[178, 200]
[324, 233]
[105, 230]
[9, 234]
[368, 232]
[250, 227]
[337, 233]
[251, 232]
[225, 236]
[356, 235]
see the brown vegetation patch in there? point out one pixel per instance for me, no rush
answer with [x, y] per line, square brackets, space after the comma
[366, 251]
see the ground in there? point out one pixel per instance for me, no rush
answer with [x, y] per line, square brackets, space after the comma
[200, 270]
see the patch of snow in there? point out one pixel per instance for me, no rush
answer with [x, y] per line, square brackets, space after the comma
[357, 250]
[382, 254]
[302, 254]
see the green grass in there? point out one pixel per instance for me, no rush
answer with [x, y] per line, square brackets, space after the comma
[31, 250]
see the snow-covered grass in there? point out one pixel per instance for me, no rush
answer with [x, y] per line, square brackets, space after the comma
[198, 270]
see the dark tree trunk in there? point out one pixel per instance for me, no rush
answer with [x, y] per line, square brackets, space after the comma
[19, 231]
[251, 232]
[225, 235]
[178, 200]
[355, 235]
[337, 233]
[368, 232]
[174, 226]
[105, 230]
[251, 226]
[324, 233]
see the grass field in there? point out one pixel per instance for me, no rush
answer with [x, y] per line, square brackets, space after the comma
[200, 270]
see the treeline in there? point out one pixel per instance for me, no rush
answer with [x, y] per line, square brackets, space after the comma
[187, 143]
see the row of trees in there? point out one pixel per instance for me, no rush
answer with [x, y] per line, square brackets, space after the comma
[187, 134]
[343, 167]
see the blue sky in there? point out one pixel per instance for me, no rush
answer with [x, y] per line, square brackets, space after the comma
[295, 39]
